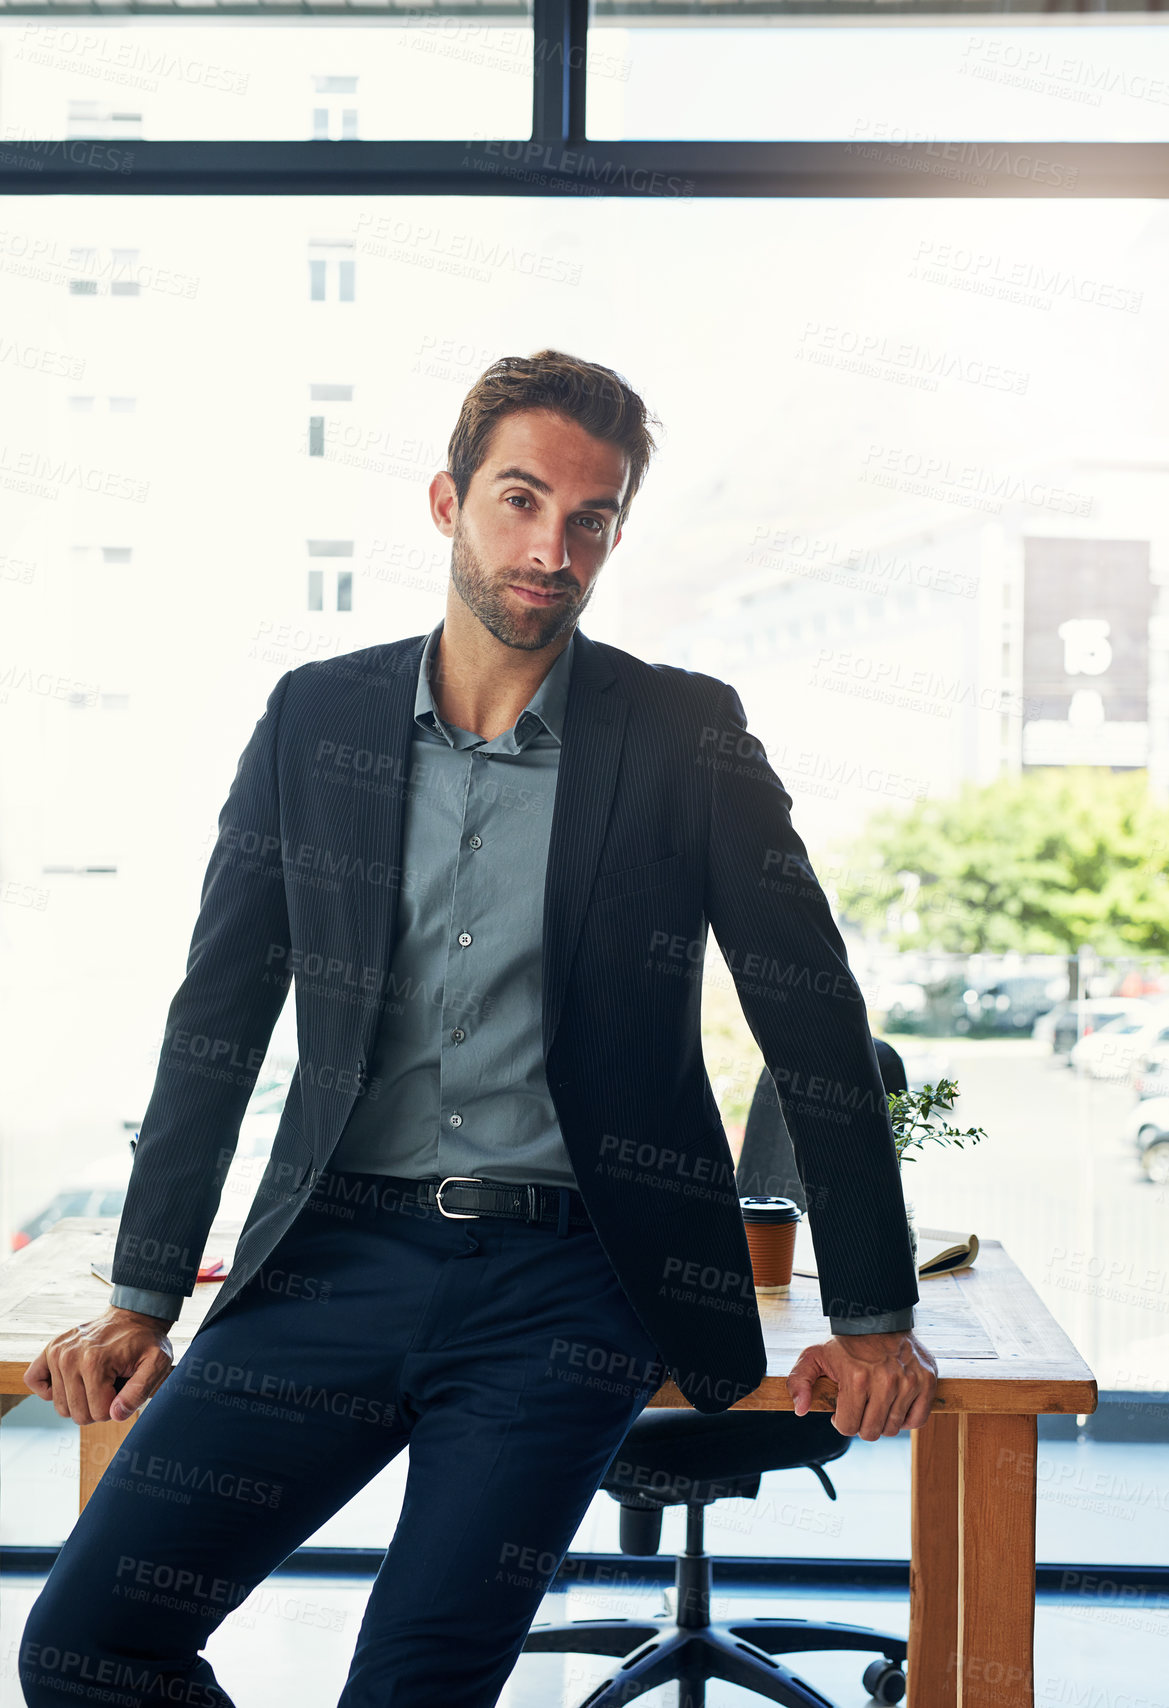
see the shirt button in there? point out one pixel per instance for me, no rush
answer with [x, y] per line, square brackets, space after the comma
[458, 1034]
[476, 842]
[456, 1120]
[464, 939]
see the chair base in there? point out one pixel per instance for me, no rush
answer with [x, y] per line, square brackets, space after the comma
[736, 1651]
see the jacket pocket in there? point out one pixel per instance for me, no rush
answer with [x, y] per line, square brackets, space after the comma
[628, 880]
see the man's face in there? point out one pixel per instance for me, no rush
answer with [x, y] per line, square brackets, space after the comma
[540, 518]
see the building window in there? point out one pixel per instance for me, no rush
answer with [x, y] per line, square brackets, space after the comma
[88, 272]
[321, 393]
[332, 270]
[330, 588]
[82, 404]
[83, 262]
[121, 285]
[90, 120]
[335, 109]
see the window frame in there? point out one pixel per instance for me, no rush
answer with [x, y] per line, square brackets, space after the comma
[558, 160]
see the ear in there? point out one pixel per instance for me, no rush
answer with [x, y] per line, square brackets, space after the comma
[444, 503]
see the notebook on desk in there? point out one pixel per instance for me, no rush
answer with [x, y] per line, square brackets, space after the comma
[938, 1253]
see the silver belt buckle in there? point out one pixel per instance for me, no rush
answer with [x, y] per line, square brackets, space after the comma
[456, 1215]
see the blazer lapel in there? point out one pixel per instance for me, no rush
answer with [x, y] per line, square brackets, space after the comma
[385, 730]
[590, 753]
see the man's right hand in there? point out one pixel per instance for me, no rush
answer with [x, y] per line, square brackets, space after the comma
[80, 1369]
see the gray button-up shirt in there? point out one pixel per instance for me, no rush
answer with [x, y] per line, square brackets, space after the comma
[458, 1062]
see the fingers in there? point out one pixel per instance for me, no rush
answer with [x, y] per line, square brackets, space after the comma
[883, 1398]
[801, 1379]
[76, 1392]
[919, 1411]
[37, 1377]
[148, 1374]
[77, 1371]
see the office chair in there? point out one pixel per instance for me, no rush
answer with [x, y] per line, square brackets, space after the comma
[688, 1458]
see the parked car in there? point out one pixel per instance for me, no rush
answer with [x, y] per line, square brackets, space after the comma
[1155, 1160]
[1145, 1119]
[1148, 1131]
[903, 1005]
[1112, 1051]
[1010, 1005]
[102, 1197]
[1151, 1045]
[1149, 1076]
[1075, 1020]
[1152, 1053]
[100, 1190]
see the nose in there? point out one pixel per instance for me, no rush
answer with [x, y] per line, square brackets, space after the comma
[550, 549]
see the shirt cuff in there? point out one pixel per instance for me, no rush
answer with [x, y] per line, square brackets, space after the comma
[884, 1323]
[142, 1299]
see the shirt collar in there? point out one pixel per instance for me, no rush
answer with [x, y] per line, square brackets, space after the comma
[546, 707]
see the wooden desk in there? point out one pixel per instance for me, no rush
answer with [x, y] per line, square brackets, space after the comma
[47, 1287]
[1002, 1361]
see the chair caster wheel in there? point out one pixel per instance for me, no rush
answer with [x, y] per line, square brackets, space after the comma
[884, 1681]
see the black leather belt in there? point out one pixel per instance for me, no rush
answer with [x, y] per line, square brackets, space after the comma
[464, 1198]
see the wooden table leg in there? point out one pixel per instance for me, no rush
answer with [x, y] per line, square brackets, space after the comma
[932, 1666]
[996, 1560]
[99, 1443]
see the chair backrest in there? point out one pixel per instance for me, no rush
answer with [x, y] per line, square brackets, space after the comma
[767, 1164]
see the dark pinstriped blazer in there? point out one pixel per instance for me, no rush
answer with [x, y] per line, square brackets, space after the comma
[668, 818]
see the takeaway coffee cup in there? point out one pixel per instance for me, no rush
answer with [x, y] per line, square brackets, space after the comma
[771, 1234]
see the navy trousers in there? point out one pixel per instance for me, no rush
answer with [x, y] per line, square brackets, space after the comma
[506, 1355]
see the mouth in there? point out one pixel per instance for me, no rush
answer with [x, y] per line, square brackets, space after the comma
[530, 597]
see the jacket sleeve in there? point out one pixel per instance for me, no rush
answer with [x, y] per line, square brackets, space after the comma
[806, 1012]
[216, 1034]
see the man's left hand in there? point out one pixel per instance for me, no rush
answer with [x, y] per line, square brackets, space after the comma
[884, 1382]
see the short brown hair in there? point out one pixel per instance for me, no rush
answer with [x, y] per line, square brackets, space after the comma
[597, 398]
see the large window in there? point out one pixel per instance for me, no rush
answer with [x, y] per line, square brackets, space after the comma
[135, 78]
[896, 78]
[894, 282]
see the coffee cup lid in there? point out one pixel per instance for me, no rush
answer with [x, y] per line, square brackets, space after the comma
[776, 1210]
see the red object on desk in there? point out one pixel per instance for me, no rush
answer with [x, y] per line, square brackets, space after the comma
[212, 1271]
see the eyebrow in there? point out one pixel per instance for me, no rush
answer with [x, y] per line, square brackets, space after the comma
[525, 475]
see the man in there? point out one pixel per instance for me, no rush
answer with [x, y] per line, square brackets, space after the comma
[500, 1199]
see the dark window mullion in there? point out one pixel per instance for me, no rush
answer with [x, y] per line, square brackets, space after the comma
[559, 63]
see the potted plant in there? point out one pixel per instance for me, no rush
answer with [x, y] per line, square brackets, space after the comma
[913, 1128]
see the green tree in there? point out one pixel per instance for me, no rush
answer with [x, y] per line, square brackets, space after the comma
[1039, 863]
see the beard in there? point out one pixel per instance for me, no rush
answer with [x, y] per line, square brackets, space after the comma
[526, 627]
